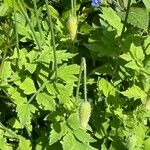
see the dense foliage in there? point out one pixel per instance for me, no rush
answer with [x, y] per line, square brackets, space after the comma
[74, 75]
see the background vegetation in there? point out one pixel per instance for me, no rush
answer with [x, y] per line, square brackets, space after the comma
[44, 78]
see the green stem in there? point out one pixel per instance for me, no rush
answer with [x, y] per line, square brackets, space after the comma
[79, 80]
[11, 133]
[3, 97]
[74, 4]
[37, 18]
[82, 68]
[28, 20]
[126, 18]
[72, 7]
[85, 88]
[53, 38]
[16, 32]
[38, 91]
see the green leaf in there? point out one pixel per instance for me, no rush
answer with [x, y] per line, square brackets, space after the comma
[135, 57]
[6, 70]
[112, 18]
[57, 132]
[30, 67]
[4, 10]
[147, 4]
[70, 143]
[83, 136]
[117, 144]
[67, 73]
[102, 49]
[147, 144]
[134, 92]
[3, 142]
[147, 45]
[24, 144]
[99, 44]
[14, 123]
[16, 95]
[63, 96]
[28, 86]
[106, 87]
[10, 4]
[47, 56]
[51, 89]
[138, 17]
[46, 101]
[24, 113]
[136, 53]
[73, 121]
[32, 55]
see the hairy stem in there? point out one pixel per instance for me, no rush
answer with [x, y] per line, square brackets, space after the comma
[31, 26]
[84, 75]
[37, 18]
[53, 38]
[79, 80]
[16, 32]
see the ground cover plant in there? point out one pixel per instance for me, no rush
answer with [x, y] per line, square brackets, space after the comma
[74, 75]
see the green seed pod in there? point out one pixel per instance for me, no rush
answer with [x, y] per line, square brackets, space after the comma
[84, 113]
[72, 25]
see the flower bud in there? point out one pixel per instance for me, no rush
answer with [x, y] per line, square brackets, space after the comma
[72, 26]
[84, 113]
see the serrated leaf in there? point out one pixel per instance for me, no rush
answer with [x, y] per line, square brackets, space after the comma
[126, 57]
[137, 53]
[46, 101]
[112, 18]
[11, 2]
[16, 95]
[25, 111]
[70, 143]
[147, 4]
[73, 121]
[63, 55]
[63, 96]
[83, 136]
[132, 65]
[51, 89]
[134, 92]
[5, 70]
[67, 73]
[24, 144]
[101, 48]
[4, 10]
[3, 142]
[28, 86]
[138, 17]
[30, 67]
[14, 123]
[57, 132]
[135, 57]
[32, 55]
[47, 55]
[106, 87]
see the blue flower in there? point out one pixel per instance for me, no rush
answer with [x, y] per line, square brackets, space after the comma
[96, 3]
